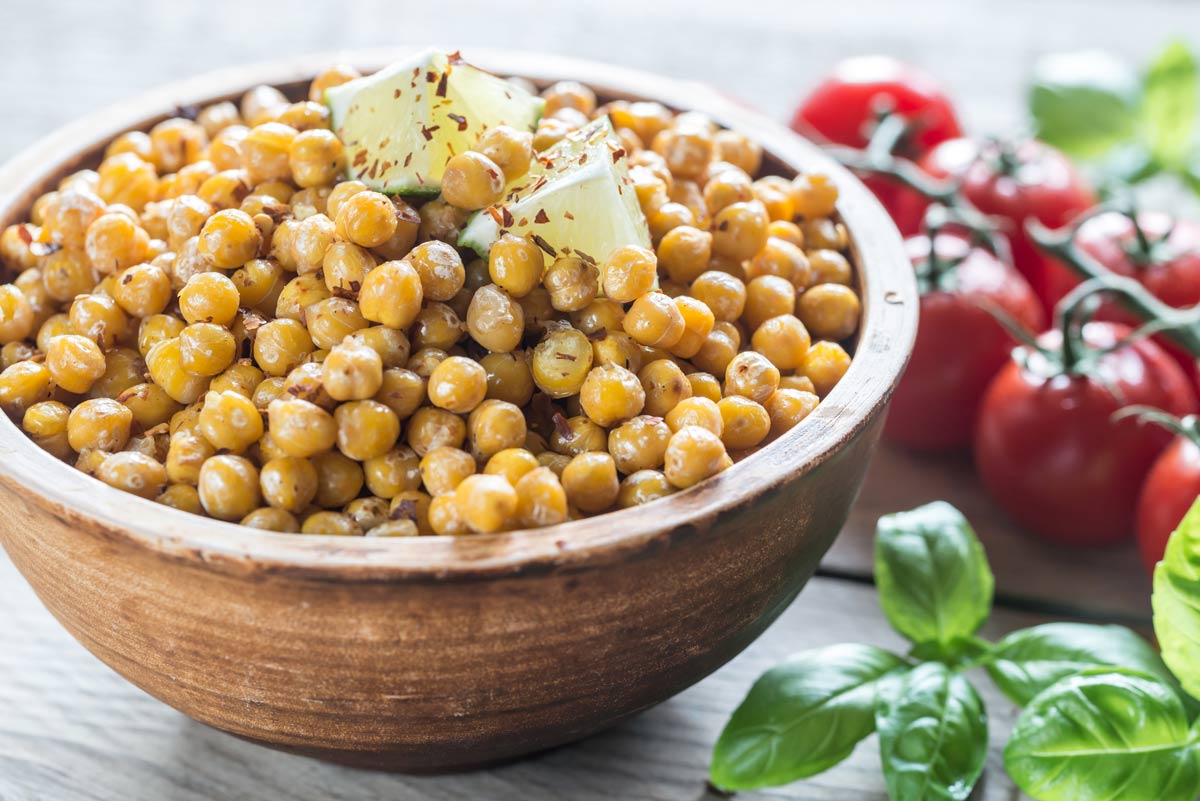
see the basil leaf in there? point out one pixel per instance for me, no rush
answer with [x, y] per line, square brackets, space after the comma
[1105, 735]
[933, 735]
[1084, 103]
[1176, 602]
[1169, 105]
[802, 717]
[1026, 662]
[933, 577]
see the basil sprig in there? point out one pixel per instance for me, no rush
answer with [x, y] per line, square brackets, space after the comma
[1102, 709]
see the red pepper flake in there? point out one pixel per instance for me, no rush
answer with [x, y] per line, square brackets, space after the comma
[396, 94]
[618, 154]
[387, 140]
[584, 256]
[405, 212]
[428, 132]
[430, 76]
[508, 218]
[544, 245]
[24, 235]
[495, 214]
[441, 87]
[567, 356]
[541, 218]
[407, 159]
[583, 158]
[455, 57]
[420, 180]
[568, 215]
[524, 221]
[360, 158]
[460, 119]
[562, 425]
[598, 334]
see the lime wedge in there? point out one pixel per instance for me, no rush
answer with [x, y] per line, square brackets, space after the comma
[401, 125]
[577, 199]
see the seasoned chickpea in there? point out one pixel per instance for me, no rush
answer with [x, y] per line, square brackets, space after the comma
[541, 499]
[590, 481]
[345, 268]
[411, 506]
[127, 179]
[515, 264]
[814, 195]
[508, 377]
[642, 487]
[684, 253]
[402, 391]
[487, 503]
[74, 362]
[787, 407]
[639, 444]
[242, 378]
[352, 371]
[441, 269]
[696, 411]
[229, 239]
[445, 517]
[368, 513]
[230, 421]
[828, 267]
[511, 464]
[99, 423]
[599, 315]
[740, 230]
[366, 429]
[655, 320]
[65, 274]
[494, 426]
[393, 472]
[783, 340]
[665, 386]
[135, 473]
[182, 497]
[509, 149]
[259, 283]
[751, 375]
[611, 394]
[444, 468]
[266, 152]
[209, 298]
[495, 320]
[46, 424]
[458, 384]
[629, 273]
[339, 479]
[738, 149]
[572, 283]
[328, 78]
[824, 365]
[561, 362]
[301, 428]
[575, 435]
[366, 218]
[429, 428]
[694, 454]
[280, 345]
[16, 315]
[391, 294]
[724, 294]
[829, 311]
[717, 350]
[270, 519]
[471, 181]
[780, 258]
[745, 422]
[114, 242]
[823, 233]
[228, 487]
[142, 290]
[316, 158]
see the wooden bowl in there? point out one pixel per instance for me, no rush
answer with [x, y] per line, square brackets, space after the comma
[442, 653]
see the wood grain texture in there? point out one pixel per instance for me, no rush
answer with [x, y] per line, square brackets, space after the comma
[75, 731]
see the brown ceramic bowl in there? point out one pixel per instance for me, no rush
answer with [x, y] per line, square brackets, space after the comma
[443, 653]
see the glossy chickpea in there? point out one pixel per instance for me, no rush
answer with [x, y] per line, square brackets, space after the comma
[611, 394]
[99, 423]
[65, 274]
[495, 320]
[717, 350]
[398, 528]
[509, 149]
[787, 407]
[300, 428]
[339, 479]
[693, 455]
[572, 283]
[561, 362]
[123, 368]
[74, 362]
[458, 384]
[366, 218]
[487, 503]
[654, 320]
[270, 519]
[17, 317]
[217, 117]
[768, 296]
[368, 513]
[393, 472]
[229, 239]
[150, 404]
[391, 344]
[555, 462]
[814, 195]
[740, 230]
[266, 152]
[642, 487]
[24, 384]
[114, 242]
[135, 473]
[328, 78]
[511, 464]
[391, 294]
[330, 321]
[508, 377]
[444, 468]
[241, 378]
[259, 284]
[226, 190]
[175, 143]
[783, 340]
[136, 142]
[402, 391]
[312, 239]
[127, 179]
[142, 290]
[644, 118]
[55, 325]
[225, 149]
[228, 487]
[68, 214]
[494, 426]
[183, 497]
[822, 233]
[539, 311]
[280, 345]
[751, 375]
[352, 371]
[550, 131]
[590, 481]
[541, 499]
[824, 365]
[185, 219]
[786, 231]
[230, 421]
[727, 187]
[575, 435]
[430, 427]
[639, 443]
[209, 298]
[601, 314]
[829, 311]
[684, 252]
[441, 221]
[515, 264]
[345, 268]
[440, 268]
[412, 506]
[698, 322]
[724, 294]
[783, 259]
[186, 455]
[696, 411]
[668, 217]
[665, 386]
[629, 272]
[829, 267]
[46, 425]
[437, 326]
[15, 352]
[316, 158]
[738, 149]
[745, 423]
[472, 181]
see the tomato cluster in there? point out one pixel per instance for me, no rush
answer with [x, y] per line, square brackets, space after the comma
[1041, 410]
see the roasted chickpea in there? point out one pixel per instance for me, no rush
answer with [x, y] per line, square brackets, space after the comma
[429, 428]
[229, 239]
[611, 394]
[494, 426]
[509, 149]
[572, 283]
[366, 218]
[346, 267]
[724, 294]
[328, 78]
[590, 481]
[814, 195]
[444, 468]
[654, 320]
[339, 479]
[353, 371]
[228, 487]
[495, 320]
[829, 311]
[665, 385]
[783, 340]
[402, 391]
[471, 181]
[745, 423]
[629, 273]
[441, 269]
[642, 487]
[487, 503]
[391, 294]
[300, 428]
[824, 365]
[393, 472]
[575, 435]
[541, 499]
[511, 463]
[561, 362]
[639, 444]
[316, 158]
[515, 264]
[694, 454]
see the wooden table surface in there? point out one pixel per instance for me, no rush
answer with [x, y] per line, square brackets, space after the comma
[71, 729]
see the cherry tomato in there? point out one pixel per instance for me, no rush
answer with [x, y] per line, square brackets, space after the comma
[1169, 491]
[959, 346]
[843, 108]
[1165, 258]
[1046, 446]
[1014, 182]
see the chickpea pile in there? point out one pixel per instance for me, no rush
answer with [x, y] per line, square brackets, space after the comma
[216, 320]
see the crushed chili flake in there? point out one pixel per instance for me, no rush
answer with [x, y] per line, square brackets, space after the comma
[430, 76]
[541, 217]
[24, 235]
[396, 94]
[618, 154]
[567, 356]
[524, 221]
[495, 214]
[508, 218]
[455, 57]
[598, 334]
[584, 256]
[544, 245]
[428, 132]
[568, 215]
[460, 119]
[562, 425]
[407, 159]
[441, 87]
[360, 158]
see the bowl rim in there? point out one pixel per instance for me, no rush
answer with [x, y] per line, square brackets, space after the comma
[886, 336]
